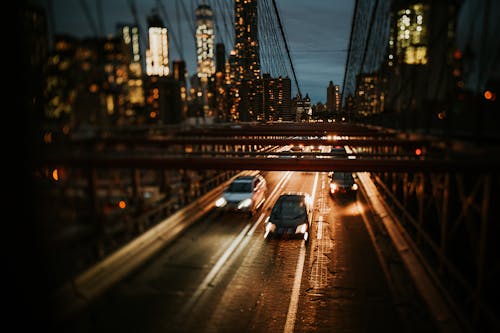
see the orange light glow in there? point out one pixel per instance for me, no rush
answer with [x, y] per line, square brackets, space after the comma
[418, 151]
[489, 95]
[47, 137]
[122, 204]
[152, 114]
[93, 88]
[457, 54]
[55, 175]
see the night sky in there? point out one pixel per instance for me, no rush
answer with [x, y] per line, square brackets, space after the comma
[317, 32]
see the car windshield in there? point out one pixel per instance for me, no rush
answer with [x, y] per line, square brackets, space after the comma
[289, 208]
[346, 176]
[240, 187]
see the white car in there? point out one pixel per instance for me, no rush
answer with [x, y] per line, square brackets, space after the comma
[244, 194]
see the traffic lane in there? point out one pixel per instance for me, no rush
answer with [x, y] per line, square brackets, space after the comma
[257, 296]
[151, 297]
[345, 288]
[342, 286]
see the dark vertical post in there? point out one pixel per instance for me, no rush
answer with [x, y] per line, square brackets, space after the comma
[420, 197]
[482, 245]
[444, 221]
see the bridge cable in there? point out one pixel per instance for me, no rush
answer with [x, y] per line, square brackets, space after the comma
[286, 47]
[89, 17]
[163, 11]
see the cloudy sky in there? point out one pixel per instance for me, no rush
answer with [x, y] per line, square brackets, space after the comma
[317, 32]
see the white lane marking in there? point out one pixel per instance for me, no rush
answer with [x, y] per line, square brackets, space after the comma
[294, 299]
[320, 227]
[213, 272]
[315, 186]
[261, 217]
[230, 250]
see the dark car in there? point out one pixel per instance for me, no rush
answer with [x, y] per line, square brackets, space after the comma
[343, 183]
[338, 151]
[290, 216]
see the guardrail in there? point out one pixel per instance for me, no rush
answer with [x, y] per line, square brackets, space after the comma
[433, 294]
[83, 289]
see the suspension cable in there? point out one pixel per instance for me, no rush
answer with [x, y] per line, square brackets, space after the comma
[286, 47]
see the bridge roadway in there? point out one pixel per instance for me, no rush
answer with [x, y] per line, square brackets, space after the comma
[221, 275]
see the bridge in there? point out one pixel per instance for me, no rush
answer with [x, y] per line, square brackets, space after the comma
[123, 232]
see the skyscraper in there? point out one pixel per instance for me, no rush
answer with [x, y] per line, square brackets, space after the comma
[246, 40]
[220, 57]
[157, 62]
[205, 53]
[332, 98]
[247, 77]
[129, 35]
[205, 38]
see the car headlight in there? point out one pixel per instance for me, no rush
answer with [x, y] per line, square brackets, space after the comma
[221, 202]
[301, 229]
[354, 187]
[270, 227]
[245, 203]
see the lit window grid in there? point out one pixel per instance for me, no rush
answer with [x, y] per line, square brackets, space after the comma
[205, 50]
[411, 38]
[157, 55]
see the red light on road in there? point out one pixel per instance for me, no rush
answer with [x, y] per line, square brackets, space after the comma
[418, 151]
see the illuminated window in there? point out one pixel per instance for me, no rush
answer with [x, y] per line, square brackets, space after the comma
[412, 34]
[416, 55]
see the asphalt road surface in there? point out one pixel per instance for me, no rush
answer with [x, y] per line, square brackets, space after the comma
[221, 275]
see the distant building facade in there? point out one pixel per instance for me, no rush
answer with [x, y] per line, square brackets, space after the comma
[157, 57]
[247, 60]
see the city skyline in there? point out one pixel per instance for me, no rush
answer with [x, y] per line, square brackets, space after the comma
[305, 23]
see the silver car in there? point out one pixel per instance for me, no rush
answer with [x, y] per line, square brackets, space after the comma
[245, 194]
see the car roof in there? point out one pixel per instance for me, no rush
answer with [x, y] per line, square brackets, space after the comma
[245, 178]
[294, 194]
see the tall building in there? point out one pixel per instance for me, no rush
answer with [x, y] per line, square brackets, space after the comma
[233, 93]
[276, 99]
[205, 41]
[205, 53]
[409, 39]
[246, 40]
[247, 60]
[302, 107]
[62, 74]
[157, 61]
[369, 98]
[333, 98]
[179, 73]
[221, 96]
[220, 57]
[417, 73]
[129, 35]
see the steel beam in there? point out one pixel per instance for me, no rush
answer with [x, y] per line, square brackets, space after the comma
[270, 164]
